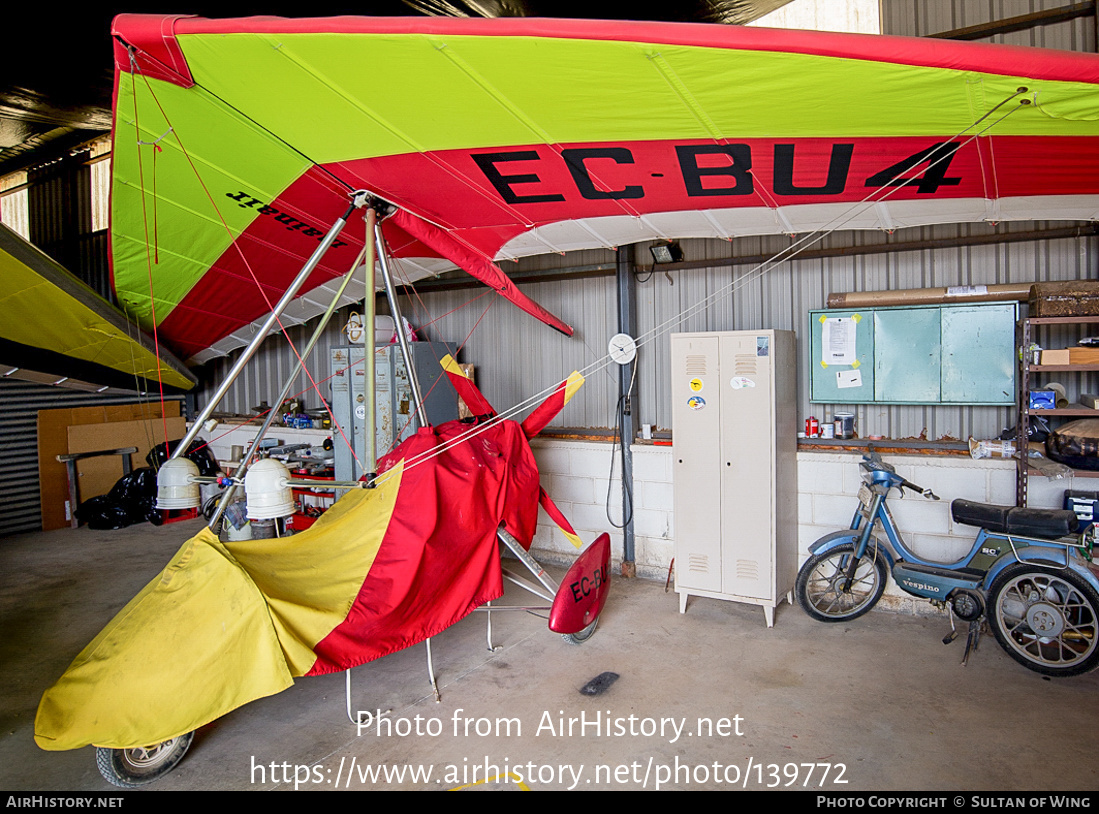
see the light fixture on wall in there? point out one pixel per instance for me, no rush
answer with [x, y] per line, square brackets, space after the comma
[667, 251]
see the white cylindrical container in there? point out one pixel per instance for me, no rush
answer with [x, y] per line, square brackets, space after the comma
[384, 329]
[268, 494]
[175, 488]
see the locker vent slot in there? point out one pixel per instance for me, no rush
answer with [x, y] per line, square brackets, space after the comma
[747, 569]
[696, 365]
[745, 364]
[698, 564]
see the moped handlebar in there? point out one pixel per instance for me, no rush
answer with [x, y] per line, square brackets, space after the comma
[873, 463]
[927, 493]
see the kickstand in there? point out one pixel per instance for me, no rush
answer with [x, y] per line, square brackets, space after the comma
[973, 639]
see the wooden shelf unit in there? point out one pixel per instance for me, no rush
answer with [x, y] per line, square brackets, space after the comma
[1028, 370]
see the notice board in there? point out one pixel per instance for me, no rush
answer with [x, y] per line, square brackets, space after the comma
[932, 354]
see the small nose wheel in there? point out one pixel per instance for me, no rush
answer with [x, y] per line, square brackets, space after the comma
[130, 768]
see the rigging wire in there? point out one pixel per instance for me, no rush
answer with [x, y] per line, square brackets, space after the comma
[225, 225]
[407, 283]
[150, 260]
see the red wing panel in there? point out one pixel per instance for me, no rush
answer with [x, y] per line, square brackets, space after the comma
[546, 184]
[254, 272]
[477, 264]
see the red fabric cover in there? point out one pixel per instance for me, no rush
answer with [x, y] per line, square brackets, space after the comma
[439, 558]
[545, 412]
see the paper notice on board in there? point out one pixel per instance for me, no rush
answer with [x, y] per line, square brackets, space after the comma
[848, 378]
[967, 291]
[837, 341]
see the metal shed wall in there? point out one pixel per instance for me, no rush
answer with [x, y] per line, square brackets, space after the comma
[20, 401]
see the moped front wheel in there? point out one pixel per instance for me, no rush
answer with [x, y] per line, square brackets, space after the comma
[820, 582]
[1046, 620]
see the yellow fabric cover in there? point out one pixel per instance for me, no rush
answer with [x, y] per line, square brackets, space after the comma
[41, 315]
[222, 625]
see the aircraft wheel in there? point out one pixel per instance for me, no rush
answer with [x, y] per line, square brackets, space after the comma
[581, 636]
[130, 768]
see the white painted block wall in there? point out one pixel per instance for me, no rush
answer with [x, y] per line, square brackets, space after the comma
[575, 473]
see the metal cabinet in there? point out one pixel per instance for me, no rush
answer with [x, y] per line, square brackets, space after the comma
[393, 408]
[734, 398]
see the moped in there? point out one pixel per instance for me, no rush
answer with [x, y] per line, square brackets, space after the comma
[1026, 574]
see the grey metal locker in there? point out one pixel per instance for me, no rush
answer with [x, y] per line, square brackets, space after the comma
[734, 434]
[393, 403]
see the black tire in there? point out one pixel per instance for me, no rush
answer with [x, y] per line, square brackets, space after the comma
[581, 636]
[819, 584]
[1046, 619]
[130, 768]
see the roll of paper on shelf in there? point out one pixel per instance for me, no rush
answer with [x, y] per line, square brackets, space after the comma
[1061, 400]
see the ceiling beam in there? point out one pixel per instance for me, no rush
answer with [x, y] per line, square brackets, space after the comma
[1023, 22]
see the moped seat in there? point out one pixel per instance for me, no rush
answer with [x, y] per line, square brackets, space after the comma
[1047, 524]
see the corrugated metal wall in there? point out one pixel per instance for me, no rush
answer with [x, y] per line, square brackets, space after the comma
[517, 357]
[921, 18]
[20, 506]
[779, 299]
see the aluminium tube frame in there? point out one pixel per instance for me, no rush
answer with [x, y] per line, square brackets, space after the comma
[261, 334]
[370, 431]
[246, 461]
[402, 339]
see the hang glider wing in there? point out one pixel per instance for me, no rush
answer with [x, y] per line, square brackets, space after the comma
[237, 142]
[56, 330]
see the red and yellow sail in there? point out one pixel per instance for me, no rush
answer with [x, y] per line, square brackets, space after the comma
[522, 136]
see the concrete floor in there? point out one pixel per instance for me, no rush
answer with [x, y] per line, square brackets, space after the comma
[878, 703]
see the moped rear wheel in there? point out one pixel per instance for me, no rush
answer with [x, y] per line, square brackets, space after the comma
[1046, 620]
[820, 584]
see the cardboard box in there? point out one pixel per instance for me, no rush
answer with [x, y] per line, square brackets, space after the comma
[53, 440]
[1083, 356]
[1055, 357]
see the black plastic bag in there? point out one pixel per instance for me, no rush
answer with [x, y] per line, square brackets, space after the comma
[131, 500]
[198, 452]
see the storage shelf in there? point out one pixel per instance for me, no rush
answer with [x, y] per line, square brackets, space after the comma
[1026, 415]
[1076, 411]
[1063, 320]
[1076, 473]
[1062, 368]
